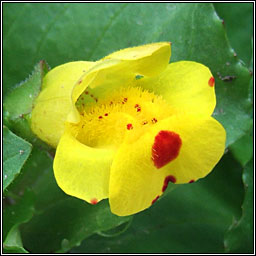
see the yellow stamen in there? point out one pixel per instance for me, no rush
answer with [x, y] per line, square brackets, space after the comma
[104, 122]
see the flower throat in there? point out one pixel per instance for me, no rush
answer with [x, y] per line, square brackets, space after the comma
[106, 121]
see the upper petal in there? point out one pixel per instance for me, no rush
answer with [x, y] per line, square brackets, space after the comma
[180, 149]
[54, 102]
[187, 86]
[149, 59]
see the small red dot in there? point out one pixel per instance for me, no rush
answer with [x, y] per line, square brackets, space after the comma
[129, 127]
[125, 99]
[137, 106]
[106, 114]
[86, 92]
[94, 201]
[211, 81]
[167, 180]
[154, 120]
[192, 181]
[100, 117]
[155, 200]
[138, 109]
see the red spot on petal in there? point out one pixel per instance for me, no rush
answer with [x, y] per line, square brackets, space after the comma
[100, 117]
[154, 120]
[129, 126]
[165, 148]
[125, 99]
[192, 181]
[137, 106]
[211, 81]
[138, 109]
[86, 92]
[106, 114]
[155, 200]
[167, 180]
[94, 201]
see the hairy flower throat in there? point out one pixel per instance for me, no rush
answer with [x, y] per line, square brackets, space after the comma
[105, 122]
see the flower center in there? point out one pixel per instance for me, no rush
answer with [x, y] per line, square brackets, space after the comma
[106, 121]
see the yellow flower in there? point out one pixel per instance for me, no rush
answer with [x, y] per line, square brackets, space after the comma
[128, 124]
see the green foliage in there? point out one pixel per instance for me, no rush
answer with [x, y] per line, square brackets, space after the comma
[13, 216]
[16, 152]
[190, 218]
[239, 238]
[237, 19]
[18, 103]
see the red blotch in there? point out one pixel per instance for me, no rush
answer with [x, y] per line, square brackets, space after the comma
[100, 117]
[167, 180]
[86, 92]
[125, 99]
[94, 201]
[106, 114]
[129, 126]
[138, 109]
[137, 106]
[211, 81]
[155, 200]
[192, 181]
[165, 148]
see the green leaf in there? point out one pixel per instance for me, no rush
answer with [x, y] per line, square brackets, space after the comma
[67, 222]
[13, 216]
[237, 18]
[13, 243]
[242, 149]
[193, 218]
[239, 238]
[18, 103]
[15, 153]
[66, 32]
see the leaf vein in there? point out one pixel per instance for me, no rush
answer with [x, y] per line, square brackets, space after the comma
[107, 27]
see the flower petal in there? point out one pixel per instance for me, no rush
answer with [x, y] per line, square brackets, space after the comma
[149, 59]
[120, 69]
[180, 149]
[54, 102]
[187, 86]
[82, 171]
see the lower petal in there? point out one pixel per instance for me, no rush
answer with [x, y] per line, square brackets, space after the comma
[82, 171]
[180, 149]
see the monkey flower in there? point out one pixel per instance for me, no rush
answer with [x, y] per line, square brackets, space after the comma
[127, 125]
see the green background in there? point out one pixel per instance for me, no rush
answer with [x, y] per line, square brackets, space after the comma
[213, 215]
